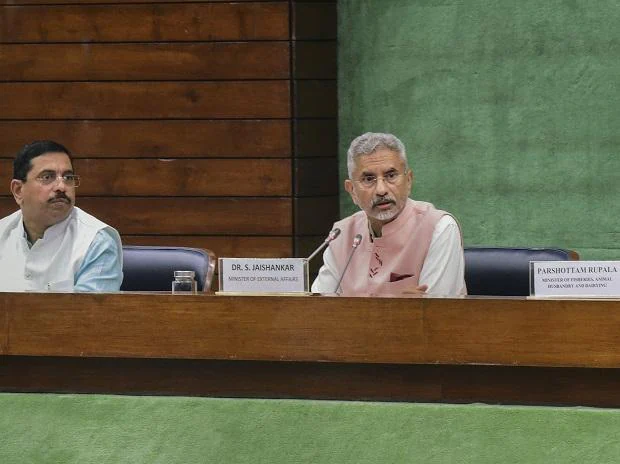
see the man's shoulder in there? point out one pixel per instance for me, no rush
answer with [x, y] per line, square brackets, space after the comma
[439, 219]
[87, 219]
[353, 218]
[10, 221]
[98, 227]
[425, 208]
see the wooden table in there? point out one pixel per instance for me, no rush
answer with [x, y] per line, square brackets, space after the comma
[513, 351]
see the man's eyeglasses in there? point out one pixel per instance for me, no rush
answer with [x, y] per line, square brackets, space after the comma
[391, 177]
[70, 180]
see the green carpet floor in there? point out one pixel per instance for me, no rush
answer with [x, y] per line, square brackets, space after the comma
[48, 428]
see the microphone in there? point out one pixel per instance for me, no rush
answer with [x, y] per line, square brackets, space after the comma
[330, 237]
[356, 242]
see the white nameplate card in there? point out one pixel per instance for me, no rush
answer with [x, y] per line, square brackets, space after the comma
[263, 275]
[575, 278]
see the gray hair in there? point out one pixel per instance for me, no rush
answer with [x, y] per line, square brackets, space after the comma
[370, 142]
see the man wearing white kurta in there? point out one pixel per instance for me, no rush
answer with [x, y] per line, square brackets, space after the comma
[49, 244]
[407, 246]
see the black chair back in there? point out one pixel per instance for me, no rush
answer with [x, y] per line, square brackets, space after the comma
[506, 271]
[151, 268]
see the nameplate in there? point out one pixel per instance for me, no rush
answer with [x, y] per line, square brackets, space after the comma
[575, 278]
[263, 275]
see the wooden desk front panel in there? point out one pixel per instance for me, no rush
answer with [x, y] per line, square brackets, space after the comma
[493, 350]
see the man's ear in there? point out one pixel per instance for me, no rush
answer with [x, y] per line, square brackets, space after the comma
[16, 189]
[348, 186]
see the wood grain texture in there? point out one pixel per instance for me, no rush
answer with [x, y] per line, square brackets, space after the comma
[509, 332]
[145, 61]
[439, 350]
[126, 22]
[178, 177]
[154, 139]
[191, 216]
[144, 100]
[229, 247]
[127, 84]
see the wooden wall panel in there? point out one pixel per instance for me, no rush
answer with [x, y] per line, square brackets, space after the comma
[177, 177]
[187, 120]
[313, 138]
[315, 60]
[188, 22]
[316, 99]
[186, 215]
[158, 138]
[315, 20]
[315, 128]
[315, 216]
[145, 61]
[316, 176]
[144, 100]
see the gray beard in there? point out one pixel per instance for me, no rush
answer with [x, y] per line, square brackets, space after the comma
[385, 215]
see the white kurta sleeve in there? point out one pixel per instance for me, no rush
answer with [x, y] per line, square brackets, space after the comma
[444, 268]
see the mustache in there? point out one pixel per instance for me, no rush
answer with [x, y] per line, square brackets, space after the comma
[60, 196]
[383, 200]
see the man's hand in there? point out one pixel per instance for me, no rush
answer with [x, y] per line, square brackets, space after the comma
[419, 290]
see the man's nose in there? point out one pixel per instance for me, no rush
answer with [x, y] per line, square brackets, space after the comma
[60, 184]
[381, 187]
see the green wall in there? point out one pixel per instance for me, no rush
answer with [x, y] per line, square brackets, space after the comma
[510, 111]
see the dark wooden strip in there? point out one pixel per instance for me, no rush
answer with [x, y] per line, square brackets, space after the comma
[258, 379]
[178, 177]
[130, 62]
[145, 22]
[316, 176]
[191, 216]
[315, 216]
[316, 99]
[4, 330]
[233, 247]
[148, 139]
[313, 137]
[320, 380]
[152, 100]
[315, 60]
[314, 20]
[114, 2]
